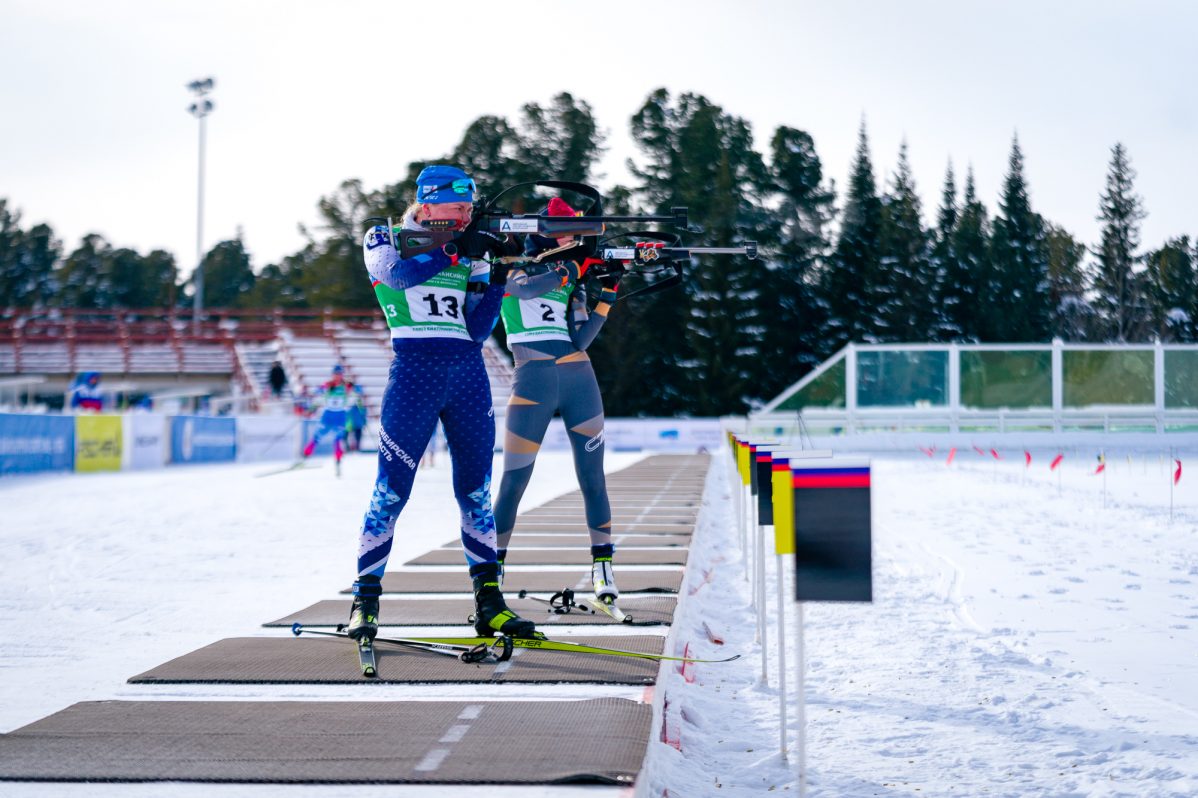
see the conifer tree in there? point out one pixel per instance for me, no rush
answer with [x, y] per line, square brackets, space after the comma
[943, 260]
[713, 325]
[27, 260]
[1173, 277]
[1120, 292]
[228, 277]
[560, 142]
[907, 286]
[1072, 316]
[85, 277]
[853, 270]
[967, 270]
[1018, 300]
[333, 272]
[793, 336]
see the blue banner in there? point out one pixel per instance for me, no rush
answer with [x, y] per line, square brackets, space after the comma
[36, 443]
[203, 439]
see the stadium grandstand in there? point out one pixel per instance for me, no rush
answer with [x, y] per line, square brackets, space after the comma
[220, 361]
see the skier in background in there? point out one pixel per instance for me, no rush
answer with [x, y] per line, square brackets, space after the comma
[333, 398]
[440, 305]
[85, 393]
[355, 419]
[548, 330]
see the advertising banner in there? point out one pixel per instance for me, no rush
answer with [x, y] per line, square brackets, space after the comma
[203, 439]
[31, 443]
[99, 441]
[147, 440]
[687, 435]
[268, 438]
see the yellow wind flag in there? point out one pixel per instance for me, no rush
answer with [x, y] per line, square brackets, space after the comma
[784, 515]
[743, 463]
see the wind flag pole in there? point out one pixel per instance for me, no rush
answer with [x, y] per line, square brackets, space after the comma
[782, 515]
[743, 475]
[1172, 482]
[762, 515]
[833, 548]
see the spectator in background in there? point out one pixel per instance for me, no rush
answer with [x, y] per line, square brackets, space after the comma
[278, 380]
[85, 393]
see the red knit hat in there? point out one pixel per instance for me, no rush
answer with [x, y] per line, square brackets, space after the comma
[559, 207]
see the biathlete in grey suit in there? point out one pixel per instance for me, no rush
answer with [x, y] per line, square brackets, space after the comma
[548, 330]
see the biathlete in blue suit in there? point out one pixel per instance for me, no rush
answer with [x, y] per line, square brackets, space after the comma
[440, 307]
[334, 399]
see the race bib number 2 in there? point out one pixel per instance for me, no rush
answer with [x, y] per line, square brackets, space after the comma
[542, 312]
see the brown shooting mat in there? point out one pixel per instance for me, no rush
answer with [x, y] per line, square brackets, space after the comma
[560, 556]
[535, 540]
[315, 742]
[452, 611]
[327, 660]
[575, 527]
[630, 581]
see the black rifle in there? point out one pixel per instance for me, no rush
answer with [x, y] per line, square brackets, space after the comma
[488, 217]
[656, 258]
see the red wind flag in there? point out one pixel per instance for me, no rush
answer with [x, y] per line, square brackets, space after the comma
[1100, 469]
[1177, 473]
[1027, 459]
[951, 454]
[1056, 461]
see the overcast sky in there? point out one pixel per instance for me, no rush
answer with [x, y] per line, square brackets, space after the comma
[95, 136]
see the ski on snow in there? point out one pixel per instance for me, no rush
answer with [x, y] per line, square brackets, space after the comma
[499, 649]
[297, 466]
[563, 603]
[468, 653]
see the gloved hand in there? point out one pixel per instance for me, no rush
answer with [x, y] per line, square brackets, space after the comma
[611, 280]
[499, 272]
[510, 246]
[586, 264]
[476, 244]
[568, 270]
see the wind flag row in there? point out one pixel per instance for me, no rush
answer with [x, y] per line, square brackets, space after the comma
[820, 511]
[821, 516]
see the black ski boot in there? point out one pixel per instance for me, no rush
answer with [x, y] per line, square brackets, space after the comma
[491, 615]
[364, 612]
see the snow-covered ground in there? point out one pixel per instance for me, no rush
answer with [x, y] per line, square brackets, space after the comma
[1023, 638]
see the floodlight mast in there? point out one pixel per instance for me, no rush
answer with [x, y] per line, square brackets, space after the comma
[200, 110]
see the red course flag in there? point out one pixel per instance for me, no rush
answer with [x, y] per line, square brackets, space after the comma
[1056, 461]
[951, 454]
[1100, 469]
[1177, 473]
[994, 453]
[928, 452]
[978, 449]
[1027, 459]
